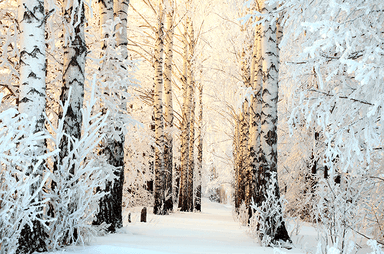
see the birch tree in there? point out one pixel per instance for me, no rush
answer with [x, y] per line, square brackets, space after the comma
[73, 83]
[255, 113]
[199, 162]
[168, 106]
[244, 129]
[73, 71]
[158, 115]
[191, 161]
[185, 125]
[112, 146]
[191, 120]
[121, 12]
[239, 191]
[31, 19]
[268, 132]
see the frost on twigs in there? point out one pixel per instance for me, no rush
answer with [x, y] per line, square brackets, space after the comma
[19, 206]
[268, 217]
[337, 212]
[74, 201]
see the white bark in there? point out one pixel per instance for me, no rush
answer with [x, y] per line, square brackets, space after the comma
[121, 7]
[268, 133]
[168, 105]
[186, 111]
[158, 114]
[106, 14]
[32, 62]
[199, 163]
[255, 114]
[191, 106]
[73, 70]
[32, 101]
[246, 167]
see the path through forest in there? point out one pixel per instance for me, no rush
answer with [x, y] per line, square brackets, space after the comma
[212, 231]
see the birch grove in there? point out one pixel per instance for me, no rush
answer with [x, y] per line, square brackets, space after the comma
[272, 108]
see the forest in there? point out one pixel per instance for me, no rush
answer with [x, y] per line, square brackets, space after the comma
[267, 109]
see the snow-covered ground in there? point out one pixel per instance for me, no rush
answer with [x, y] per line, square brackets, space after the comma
[212, 231]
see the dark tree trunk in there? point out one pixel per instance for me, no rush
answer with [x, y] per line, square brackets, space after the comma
[110, 206]
[75, 51]
[191, 167]
[199, 164]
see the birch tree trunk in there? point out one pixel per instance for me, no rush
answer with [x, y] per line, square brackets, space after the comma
[199, 162]
[158, 114]
[239, 176]
[268, 133]
[168, 107]
[191, 119]
[121, 12]
[73, 72]
[110, 206]
[73, 80]
[31, 20]
[191, 166]
[183, 205]
[255, 116]
[247, 177]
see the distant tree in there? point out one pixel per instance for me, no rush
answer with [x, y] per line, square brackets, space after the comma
[168, 105]
[185, 125]
[191, 120]
[159, 190]
[199, 162]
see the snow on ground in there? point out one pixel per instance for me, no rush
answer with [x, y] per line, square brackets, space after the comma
[212, 231]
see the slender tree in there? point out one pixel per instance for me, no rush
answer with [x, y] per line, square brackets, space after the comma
[158, 115]
[110, 206]
[121, 12]
[73, 85]
[191, 120]
[191, 161]
[247, 176]
[268, 130]
[185, 133]
[199, 162]
[31, 20]
[239, 192]
[255, 114]
[73, 71]
[168, 106]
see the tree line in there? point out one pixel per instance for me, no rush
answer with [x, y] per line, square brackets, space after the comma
[70, 76]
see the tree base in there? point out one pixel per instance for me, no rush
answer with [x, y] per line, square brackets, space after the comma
[32, 240]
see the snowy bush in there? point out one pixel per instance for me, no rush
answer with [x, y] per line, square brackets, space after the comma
[73, 198]
[138, 172]
[338, 212]
[267, 218]
[377, 249]
[241, 215]
[19, 205]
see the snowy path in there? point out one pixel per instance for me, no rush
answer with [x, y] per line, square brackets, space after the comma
[212, 231]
